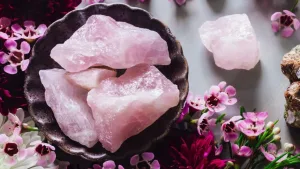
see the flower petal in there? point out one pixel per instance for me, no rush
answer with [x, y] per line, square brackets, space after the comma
[219, 150]
[10, 69]
[119, 167]
[109, 164]
[155, 164]
[246, 151]
[17, 29]
[223, 97]
[296, 24]
[180, 2]
[289, 13]
[232, 136]
[10, 44]
[22, 154]
[51, 157]
[219, 108]
[134, 160]
[3, 138]
[25, 47]
[275, 26]
[231, 101]
[212, 122]
[214, 90]
[222, 85]
[3, 57]
[250, 115]
[41, 29]
[148, 156]
[42, 161]
[261, 116]
[97, 166]
[20, 114]
[235, 148]
[29, 24]
[272, 148]
[276, 16]
[230, 90]
[235, 118]
[24, 64]
[10, 160]
[287, 32]
[268, 156]
[4, 35]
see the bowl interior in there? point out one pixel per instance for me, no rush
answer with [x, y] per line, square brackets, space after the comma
[59, 32]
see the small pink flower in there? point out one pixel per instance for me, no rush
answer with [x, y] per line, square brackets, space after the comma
[196, 103]
[218, 97]
[44, 151]
[205, 124]
[30, 32]
[230, 129]
[250, 128]
[243, 151]
[13, 122]
[12, 149]
[256, 116]
[270, 153]
[16, 57]
[147, 161]
[286, 21]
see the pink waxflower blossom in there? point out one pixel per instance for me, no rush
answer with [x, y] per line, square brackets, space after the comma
[243, 151]
[205, 124]
[230, 129]
[218, 97]
[30, 32]
[44, 151]
[14, 121]
[250, 128]
[195, 102]
[12, 149]
[16, 57]
[256, 116]
[270, 153]
[147, 161]
[286, 21]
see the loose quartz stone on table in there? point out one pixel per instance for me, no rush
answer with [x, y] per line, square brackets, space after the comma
[232, 41]
[119, 45]
[68, 103]
[123, 107]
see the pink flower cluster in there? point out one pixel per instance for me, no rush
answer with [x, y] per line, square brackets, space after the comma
[13, 55]
[285, 21]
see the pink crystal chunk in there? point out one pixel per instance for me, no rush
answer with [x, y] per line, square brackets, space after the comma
[232, 41]
[90, 78]
[123, 107]
[69, 106]
[103, 41]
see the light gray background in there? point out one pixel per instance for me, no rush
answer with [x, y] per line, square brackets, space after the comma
[262, 87]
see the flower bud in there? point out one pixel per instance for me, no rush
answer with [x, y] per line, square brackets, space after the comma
[276, 130]
[288, 147]
[270, 125]
[277, 138]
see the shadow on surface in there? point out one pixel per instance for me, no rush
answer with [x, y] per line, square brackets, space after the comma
[145, 5]
[216, 5]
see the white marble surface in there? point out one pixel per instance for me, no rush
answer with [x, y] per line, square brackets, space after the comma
[262, 87]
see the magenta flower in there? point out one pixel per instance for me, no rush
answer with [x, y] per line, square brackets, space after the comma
[16, 57]
[286, 21]
[196, 103]
[205, 124]
[218, 97]
[30, 32]
[230, 129]
[271, 151]
[256, 117]
[44, 151]
[250, 128]
[12, 149]
[243, 151]
[145, 160]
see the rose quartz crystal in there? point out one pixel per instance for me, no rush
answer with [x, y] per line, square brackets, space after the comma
[90, 78]
[69, 106]
[232, 41]
[123, 107]
[103, 41]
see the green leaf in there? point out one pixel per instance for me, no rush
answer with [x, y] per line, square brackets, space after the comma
[273, 163]
[220, 118]
[242, 110]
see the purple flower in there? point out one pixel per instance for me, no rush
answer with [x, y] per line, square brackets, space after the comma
[230, 129]
[217, 97]
[243, 151]
[30, 32]
[256, 117]
[16, 57]
[196, 103]
[286, 21]
[205, 124]
[250, 128]
[145, 160]
[271, 151]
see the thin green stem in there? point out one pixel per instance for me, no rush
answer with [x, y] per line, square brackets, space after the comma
[29, 128]
[294, 7]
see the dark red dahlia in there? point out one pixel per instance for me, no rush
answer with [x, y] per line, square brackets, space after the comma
[40, 11]
[11, 92]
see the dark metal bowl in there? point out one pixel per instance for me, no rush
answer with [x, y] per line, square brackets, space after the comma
[59, 32]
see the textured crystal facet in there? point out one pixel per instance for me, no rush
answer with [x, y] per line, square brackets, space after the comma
[232, 41]
[69, 106]
[123, 107]
[103, 41]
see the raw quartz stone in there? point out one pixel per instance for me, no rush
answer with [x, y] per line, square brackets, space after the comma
[123, 107]
[103, 41]
[290, 64]
[232, 41]
[68, 103]
[90, 78]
